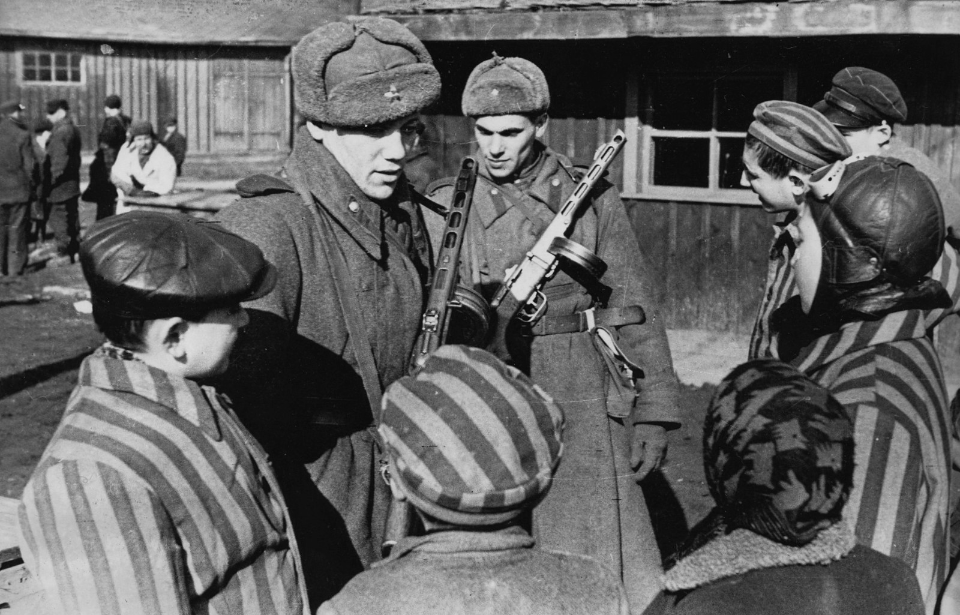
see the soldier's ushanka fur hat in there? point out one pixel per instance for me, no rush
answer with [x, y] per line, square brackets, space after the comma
[362, 73]
[505, 86]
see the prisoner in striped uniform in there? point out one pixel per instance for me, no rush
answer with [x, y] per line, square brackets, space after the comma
[474, 445]
[152, 498]
[858, 327]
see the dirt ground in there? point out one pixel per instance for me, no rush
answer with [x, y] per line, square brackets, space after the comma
[44, 339]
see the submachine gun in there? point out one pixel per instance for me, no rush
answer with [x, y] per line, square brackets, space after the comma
[453, 314]
[520, 297]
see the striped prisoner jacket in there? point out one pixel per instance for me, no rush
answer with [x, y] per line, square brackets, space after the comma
[152, 499]
[887, 374]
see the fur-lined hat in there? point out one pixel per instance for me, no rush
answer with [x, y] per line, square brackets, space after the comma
[505, 86]
[367, 72]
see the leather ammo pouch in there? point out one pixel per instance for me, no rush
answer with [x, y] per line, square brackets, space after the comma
[620, 373]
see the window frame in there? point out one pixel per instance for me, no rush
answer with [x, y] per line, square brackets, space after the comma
[37, 53]
[640, 186]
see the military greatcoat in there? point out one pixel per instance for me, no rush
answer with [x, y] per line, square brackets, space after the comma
[595, 507]
[295, 376]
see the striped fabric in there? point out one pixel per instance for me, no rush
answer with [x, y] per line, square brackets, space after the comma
[887, 375]
[798, 132]
[473, 442]
[781, 285]
[151, 498]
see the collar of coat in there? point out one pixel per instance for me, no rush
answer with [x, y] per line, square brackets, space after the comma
[110, 370]
[458, 541]
[741, 551]
[550, 167]
[860, 335]
[312, 164]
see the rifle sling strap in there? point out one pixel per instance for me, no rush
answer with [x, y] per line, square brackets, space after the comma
[349, 305]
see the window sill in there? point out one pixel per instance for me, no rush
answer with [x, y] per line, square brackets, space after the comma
[742, 198]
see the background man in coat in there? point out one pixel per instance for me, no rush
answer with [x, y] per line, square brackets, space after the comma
[113, 134]
[175, 143]
[18, 174]
[142, 168]
[353, 259]
[63, 148]
[595, 507]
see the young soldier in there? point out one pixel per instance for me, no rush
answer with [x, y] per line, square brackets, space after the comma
[597, 507]
[473, 446]
[152, 497]
[353, 259]
[864, 105]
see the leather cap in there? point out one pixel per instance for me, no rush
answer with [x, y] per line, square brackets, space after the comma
[861, 98]
[884, 222]
[148, 265]
[11, 106]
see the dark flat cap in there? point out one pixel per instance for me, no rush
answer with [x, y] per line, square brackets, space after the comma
[861, 98]
[148, 265]
[11, 106]
[55, 105]
[505, 86]
[370, 71]
[142, 127]
[112, 102]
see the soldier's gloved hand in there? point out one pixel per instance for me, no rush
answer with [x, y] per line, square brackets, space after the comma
[647, 449]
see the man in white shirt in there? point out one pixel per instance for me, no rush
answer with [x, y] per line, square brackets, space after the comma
[142, 168]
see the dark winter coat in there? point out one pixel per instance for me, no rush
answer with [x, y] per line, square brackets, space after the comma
[295, 377]
[63, 148]
[176, 143]
[18, 166]
[743, 573]
[595, 507]
[459, 573]
[113, 133]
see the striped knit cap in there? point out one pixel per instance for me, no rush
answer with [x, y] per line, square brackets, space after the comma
[471, 441]
[778, 453]
[800, 133]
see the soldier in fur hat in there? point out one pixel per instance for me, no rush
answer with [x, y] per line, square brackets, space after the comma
[616, 434]
[349, 242]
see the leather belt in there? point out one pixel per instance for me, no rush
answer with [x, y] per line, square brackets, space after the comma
[587, 320]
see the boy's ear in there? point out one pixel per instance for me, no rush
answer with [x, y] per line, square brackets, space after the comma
[798, 182]
[172, 334]
[882, 133]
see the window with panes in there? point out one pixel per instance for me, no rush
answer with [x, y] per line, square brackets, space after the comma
[51, 67]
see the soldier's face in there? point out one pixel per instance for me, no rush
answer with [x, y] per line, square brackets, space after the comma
[506, 142]
[373, 156]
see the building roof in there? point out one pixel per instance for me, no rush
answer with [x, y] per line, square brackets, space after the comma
[463, 20]
[179, 22]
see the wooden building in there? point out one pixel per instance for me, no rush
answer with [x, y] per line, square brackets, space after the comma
[221, 68]
[682, 79]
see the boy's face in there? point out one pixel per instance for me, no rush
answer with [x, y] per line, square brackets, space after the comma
[207, 344]
[866, 141]
[777, 194]
[506, 142]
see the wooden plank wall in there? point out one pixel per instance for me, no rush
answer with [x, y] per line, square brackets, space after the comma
[154, 81]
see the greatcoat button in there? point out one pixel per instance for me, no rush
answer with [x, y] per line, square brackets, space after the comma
[354, 206]
[494, 191]
[555, 182]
